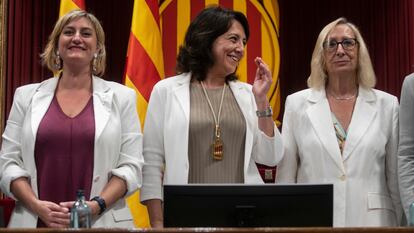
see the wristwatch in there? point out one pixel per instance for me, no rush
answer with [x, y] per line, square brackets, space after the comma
[265, 113]
[101, 203]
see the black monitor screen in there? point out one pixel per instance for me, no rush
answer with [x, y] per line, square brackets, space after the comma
[269, 205]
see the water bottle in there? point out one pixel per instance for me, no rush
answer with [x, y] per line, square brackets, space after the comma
[411, 215]
[80, 213]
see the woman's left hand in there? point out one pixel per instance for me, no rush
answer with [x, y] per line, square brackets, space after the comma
[262, 81]
[93, 205]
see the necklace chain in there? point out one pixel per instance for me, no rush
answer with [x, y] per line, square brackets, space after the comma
[216, 119]
[343, 97]
[217, 146]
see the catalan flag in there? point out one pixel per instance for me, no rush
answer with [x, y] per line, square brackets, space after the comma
[144, 68]
[69, 5]
[263, 16]
[271, 8]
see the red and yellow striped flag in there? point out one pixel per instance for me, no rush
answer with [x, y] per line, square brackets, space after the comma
[272, 9]
[68, 5]
[144, 68]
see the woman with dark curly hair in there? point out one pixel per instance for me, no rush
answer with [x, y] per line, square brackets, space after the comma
[203, 125]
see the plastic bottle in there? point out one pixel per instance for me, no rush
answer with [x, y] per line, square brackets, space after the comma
[80, 213]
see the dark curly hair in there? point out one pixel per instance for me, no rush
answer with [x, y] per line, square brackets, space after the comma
[195, 55]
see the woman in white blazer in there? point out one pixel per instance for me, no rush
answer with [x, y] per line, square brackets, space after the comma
[344, 132]
[74, 131]
[181, 141]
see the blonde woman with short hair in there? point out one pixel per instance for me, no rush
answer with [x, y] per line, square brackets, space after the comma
[344, 132]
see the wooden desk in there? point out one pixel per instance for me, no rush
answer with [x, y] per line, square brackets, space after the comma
[220, 230]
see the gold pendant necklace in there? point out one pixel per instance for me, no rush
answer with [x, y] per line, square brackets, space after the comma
[217, 146]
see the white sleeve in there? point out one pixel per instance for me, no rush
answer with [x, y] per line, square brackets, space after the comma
[11, 161]
[287, 169]
[154, 154]
[130, 162]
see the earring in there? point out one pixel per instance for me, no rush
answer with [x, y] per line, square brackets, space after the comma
[57, 61]
[95, 60]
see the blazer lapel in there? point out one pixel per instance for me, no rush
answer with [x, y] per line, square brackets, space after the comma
[319, 115]
[41, 101]
[241, 96]
[182, 93]
[102, 99]
[362, 117]
[244, 101]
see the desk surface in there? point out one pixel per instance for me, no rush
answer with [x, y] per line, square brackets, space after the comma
[222, 230]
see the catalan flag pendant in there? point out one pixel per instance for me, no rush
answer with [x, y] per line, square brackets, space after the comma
[217, 147]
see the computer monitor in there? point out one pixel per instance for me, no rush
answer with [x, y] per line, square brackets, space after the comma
[268, 205]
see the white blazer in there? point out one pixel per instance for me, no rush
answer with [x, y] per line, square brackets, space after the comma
[117, 149]
[166, 136]
[365, 175]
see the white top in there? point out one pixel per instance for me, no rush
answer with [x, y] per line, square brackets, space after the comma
[117, 149]
[365, 176]
[166, 136]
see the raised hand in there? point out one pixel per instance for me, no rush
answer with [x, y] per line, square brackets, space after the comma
[262, 81]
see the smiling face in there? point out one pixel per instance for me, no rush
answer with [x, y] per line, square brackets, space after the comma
[228, 50]
[77, 42]
[341, 60]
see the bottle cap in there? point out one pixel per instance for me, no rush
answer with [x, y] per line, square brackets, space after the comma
[80, 193]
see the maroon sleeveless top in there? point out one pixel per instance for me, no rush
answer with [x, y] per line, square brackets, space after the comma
[64, 154]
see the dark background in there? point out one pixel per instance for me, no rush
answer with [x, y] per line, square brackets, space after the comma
[386, 25]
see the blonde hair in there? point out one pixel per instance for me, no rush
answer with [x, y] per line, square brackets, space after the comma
[49, 55]
[319, 76]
